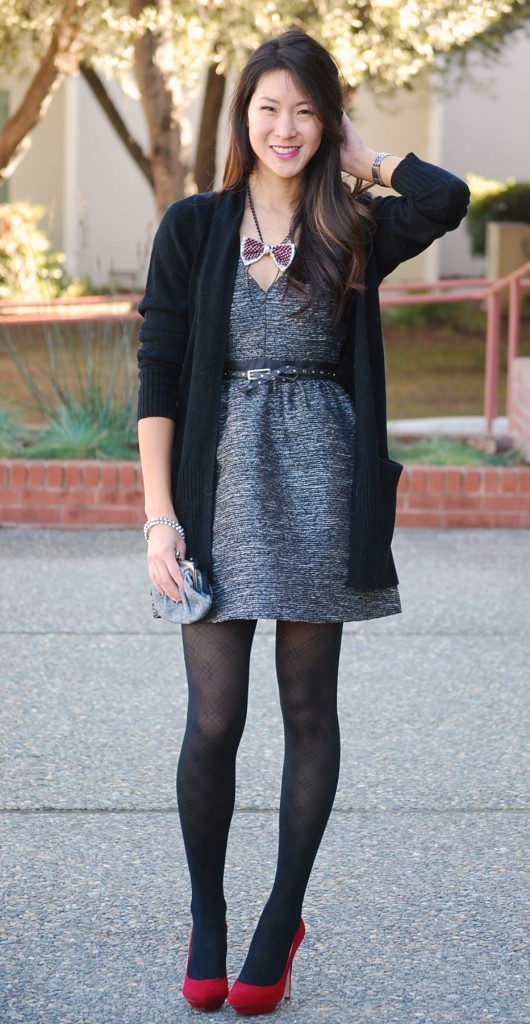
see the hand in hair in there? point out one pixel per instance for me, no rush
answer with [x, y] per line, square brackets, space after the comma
[357, 159]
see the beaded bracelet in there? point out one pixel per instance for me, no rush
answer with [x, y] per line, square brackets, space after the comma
[164, 521]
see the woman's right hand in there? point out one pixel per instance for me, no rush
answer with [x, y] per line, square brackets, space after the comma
[164, 570]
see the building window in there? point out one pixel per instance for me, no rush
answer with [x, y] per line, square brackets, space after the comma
[4, 112]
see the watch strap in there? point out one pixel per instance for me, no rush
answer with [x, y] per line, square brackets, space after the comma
[376, 174]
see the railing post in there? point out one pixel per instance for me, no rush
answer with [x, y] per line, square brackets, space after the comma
[493, 344]
[514, 330]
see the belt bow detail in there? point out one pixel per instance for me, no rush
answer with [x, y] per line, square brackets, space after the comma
[267, 376]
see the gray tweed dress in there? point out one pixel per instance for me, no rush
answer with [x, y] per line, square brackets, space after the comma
[284, 474]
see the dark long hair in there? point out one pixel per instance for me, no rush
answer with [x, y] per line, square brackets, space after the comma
[334, 226]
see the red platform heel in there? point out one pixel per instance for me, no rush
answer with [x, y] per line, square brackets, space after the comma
[204, 993]
[254, 999]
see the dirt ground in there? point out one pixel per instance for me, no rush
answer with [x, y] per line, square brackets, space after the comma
[70, 352]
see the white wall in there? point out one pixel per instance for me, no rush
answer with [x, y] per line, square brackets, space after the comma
[485, 130]
[110, 213]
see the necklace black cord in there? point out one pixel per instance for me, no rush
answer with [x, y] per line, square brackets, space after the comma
[255, 216]
[253, 212]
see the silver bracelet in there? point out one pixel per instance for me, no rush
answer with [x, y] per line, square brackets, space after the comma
[164, 521]
[376, 174]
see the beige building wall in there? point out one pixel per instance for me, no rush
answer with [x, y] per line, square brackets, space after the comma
[110, 213]
[484, 129]
[398, 124]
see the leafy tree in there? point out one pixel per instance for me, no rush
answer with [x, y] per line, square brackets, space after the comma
[161, 49]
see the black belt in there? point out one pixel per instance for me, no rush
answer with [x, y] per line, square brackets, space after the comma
[275, 372]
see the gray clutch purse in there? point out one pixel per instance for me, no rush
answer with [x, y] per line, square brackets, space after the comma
[196, 597]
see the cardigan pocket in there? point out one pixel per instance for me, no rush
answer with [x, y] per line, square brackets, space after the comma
[389, 474]
[371, 531]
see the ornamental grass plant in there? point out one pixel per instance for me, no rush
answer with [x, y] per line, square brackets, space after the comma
[12, 434]
[80, 392]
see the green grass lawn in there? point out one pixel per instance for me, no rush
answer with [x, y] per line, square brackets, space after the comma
[445, 451]
[438, 370]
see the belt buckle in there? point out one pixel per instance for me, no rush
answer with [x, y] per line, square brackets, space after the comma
[258, 373]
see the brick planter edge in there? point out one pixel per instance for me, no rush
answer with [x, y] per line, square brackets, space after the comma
[78, 493]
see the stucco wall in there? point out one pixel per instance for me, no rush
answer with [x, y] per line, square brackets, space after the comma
[484, 130]
[110, 213]
[398, 123]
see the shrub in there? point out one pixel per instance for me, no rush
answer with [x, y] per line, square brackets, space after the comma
[27, 267]
[495, 201]
[460, 317]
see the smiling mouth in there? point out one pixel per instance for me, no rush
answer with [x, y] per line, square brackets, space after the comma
[285, 150]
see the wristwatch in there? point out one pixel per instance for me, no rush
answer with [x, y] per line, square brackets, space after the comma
[376, 177]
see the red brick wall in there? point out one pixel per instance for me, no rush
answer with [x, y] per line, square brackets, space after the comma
[77, 493]
[464, 496]
[519, 412]
[70, 493]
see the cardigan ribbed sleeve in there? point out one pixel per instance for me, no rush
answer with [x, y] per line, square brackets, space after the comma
[431, 202]
[164, 332]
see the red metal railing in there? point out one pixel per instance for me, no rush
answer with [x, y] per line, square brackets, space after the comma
[476, 289]
[86, 307]
[514, 282]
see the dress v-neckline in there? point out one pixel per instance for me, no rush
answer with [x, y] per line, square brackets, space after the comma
[264, 291]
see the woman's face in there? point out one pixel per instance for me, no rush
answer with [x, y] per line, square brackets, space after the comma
[283, 127]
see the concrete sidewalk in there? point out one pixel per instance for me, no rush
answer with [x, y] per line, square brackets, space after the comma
[417, 912]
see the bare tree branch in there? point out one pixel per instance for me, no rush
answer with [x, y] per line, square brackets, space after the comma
[14, 135]
[107, 104]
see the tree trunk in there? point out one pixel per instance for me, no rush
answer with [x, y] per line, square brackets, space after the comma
[167, 158]
[205, 161]
[109, 108]
[14, 135]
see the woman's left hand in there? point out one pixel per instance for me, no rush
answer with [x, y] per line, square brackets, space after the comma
[355, 158]
[358, 160]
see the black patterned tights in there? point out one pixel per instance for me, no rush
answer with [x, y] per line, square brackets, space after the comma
[217, 657]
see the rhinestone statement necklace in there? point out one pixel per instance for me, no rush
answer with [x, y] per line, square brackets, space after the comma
[253, 249]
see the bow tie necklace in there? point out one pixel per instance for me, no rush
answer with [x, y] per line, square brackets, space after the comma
[253, 250]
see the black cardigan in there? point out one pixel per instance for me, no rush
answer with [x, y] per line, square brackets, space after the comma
[186, 310]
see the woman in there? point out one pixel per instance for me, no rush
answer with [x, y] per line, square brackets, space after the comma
[264, 453]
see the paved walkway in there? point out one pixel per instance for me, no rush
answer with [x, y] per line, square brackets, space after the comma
[417, 910]
[448, 426]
